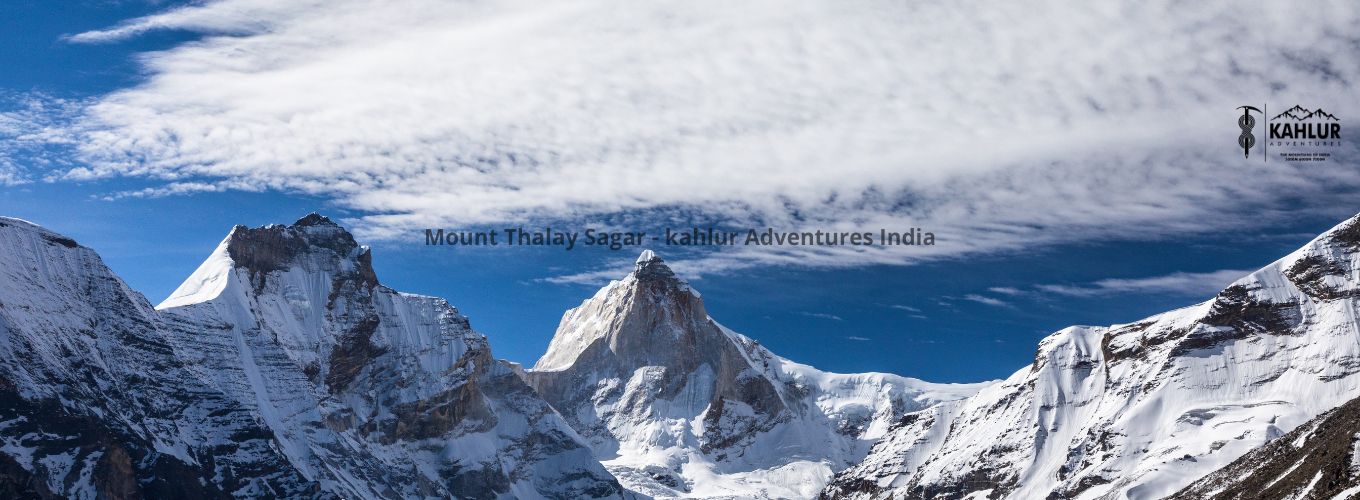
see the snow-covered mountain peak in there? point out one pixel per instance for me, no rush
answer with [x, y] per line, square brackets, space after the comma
[248, 256]
[1324, 269]
[374, 392]
[677, 404]
[647, 256]
[649, 265]
[96, 401]
[286, 371]
[313, 238]
[1140, 410]
[315, 219]
[650, 317]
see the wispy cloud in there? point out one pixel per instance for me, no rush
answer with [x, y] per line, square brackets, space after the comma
[220, 18]
[832, 317]
[904, 308]
[172, 189]
[1181, 283]
[982, 299]
[29, 123]
[999, 129]
[852, 337]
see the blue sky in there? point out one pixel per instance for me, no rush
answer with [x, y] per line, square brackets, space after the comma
[1090, 194]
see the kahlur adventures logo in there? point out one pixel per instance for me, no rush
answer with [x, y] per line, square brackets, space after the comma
[1295, 128]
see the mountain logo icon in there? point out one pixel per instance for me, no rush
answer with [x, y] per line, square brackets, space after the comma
[1321, 115]
[1297, 112]
[1300, 113]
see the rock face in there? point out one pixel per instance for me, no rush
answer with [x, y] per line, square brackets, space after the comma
[94, 401]
[370, 392]
[1142, 410]
[1319, 459]
[677, 405]
[280, 368]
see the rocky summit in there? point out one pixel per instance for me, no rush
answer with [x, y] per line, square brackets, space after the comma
[675, 404]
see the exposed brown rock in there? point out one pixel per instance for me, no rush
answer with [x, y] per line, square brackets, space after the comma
[114, 477]
[1309, 272]
[354, 351]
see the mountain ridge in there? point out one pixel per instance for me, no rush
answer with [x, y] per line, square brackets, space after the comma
[283, 367]
[286, 370]
[1141, 410]
[356, 377]
[95, 402]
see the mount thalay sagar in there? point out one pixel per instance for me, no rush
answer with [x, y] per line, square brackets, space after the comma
[283, 368]
[692, 237]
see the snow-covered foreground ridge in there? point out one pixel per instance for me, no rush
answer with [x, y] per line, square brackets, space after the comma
[1142, 410]
[281, 368]
[677, 405]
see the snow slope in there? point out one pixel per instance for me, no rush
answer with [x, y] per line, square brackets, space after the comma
[1141, 410]
[94, 402]
[677, 405]
[371, 392]
[1315, 460]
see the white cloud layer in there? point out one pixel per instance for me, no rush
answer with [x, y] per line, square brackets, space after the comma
[1189, 284]
[998, 126]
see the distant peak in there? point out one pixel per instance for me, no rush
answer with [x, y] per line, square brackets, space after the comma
[315, 219]
[315, 241]
[647, 256]
[650, 265]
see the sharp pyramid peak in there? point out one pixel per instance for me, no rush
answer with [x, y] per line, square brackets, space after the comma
[647, 256]
[314, 239]
[650, 265]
